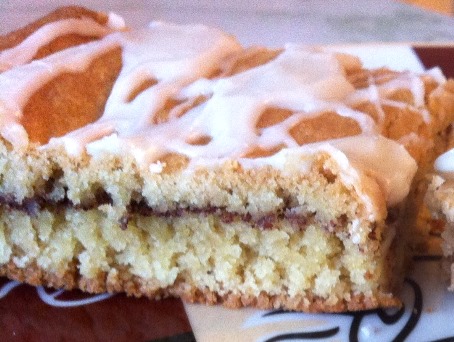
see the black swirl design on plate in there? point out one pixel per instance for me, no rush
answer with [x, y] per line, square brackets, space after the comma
[388, 318]
[185, 337]
[312, 335]
[393, 318]
[427, 258]
[305, 335]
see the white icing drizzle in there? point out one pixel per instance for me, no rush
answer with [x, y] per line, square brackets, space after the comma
[378, 94]
[19, 82]
[379, 157]
[115, 22]
[180, 58]
[444, 164]
[374, 155]
[288, 81]
[27, 49]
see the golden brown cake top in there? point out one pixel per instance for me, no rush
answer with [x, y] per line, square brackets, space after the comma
[195, 94]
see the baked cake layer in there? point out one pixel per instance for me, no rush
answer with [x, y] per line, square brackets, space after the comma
[171, 160]
[199, 257]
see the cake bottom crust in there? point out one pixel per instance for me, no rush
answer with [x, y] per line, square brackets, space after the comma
[137, 287]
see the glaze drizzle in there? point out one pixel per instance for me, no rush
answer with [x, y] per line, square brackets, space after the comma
[180, 60]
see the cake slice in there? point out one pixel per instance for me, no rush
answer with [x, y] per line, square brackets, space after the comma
[440, 201]
[172, 161]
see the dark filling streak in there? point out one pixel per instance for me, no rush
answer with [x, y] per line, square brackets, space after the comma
[124, 222]
[32, 206]
[264, 222]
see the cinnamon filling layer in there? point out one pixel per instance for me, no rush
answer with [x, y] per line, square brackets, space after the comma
[32, 206]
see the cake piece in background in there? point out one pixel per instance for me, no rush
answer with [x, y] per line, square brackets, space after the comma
[440, 201]
[172, 161]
